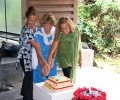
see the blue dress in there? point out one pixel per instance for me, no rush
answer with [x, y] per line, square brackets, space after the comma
[37, 73]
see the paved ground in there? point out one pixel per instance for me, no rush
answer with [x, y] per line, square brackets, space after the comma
[13, 94]
[99, 78]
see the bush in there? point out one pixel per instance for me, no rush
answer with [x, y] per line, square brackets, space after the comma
[99, 25]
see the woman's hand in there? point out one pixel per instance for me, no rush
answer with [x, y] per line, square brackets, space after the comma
[52, 63]
[51, 52]
[45, 69]
[80, 63]
[80, 59]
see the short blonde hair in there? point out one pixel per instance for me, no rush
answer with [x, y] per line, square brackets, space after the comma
[47, 18]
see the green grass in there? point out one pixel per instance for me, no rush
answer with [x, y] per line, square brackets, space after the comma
[104, 61]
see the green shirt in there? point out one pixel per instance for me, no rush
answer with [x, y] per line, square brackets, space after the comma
[68, 51]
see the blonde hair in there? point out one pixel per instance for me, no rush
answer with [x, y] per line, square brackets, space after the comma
[64, 20]
[47, 18]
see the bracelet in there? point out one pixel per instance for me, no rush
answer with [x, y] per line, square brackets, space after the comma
[53, 56]
[49, 63]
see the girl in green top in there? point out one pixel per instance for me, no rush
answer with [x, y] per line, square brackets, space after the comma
[66, 47]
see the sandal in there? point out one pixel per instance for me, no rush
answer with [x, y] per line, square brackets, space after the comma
[5, 88]
[9, 84]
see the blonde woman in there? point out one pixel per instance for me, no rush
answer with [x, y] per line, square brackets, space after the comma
[45, 36]
[67, 42]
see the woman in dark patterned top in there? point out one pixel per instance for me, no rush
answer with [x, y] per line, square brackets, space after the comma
[44, 36]
[24, 57]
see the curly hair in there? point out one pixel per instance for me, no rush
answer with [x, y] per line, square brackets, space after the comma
[48, 18]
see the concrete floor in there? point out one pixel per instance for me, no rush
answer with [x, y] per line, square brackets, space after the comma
[13, 94]
[99, 78]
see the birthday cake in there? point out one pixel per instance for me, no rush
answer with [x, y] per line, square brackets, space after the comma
[58, 83]
[89, 94]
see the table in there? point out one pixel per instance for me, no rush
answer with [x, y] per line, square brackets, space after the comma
[41, 92]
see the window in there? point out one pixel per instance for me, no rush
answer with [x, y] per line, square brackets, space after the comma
[10, 16]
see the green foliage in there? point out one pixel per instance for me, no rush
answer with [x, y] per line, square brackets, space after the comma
[89, 11]
[99, 25]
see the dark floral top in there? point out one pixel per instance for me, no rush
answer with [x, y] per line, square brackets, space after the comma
[25, 50]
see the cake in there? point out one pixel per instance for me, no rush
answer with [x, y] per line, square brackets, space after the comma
[58, 83]
[89, 94]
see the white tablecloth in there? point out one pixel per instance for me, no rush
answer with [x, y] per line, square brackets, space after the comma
[43, 93]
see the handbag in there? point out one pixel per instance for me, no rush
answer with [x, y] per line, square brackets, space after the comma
[9, 49]
[0, 55]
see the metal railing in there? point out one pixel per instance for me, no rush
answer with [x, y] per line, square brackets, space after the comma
[10, 36]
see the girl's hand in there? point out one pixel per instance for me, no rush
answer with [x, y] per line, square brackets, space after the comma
[80, 63]
[45, 69]
[52, 64]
